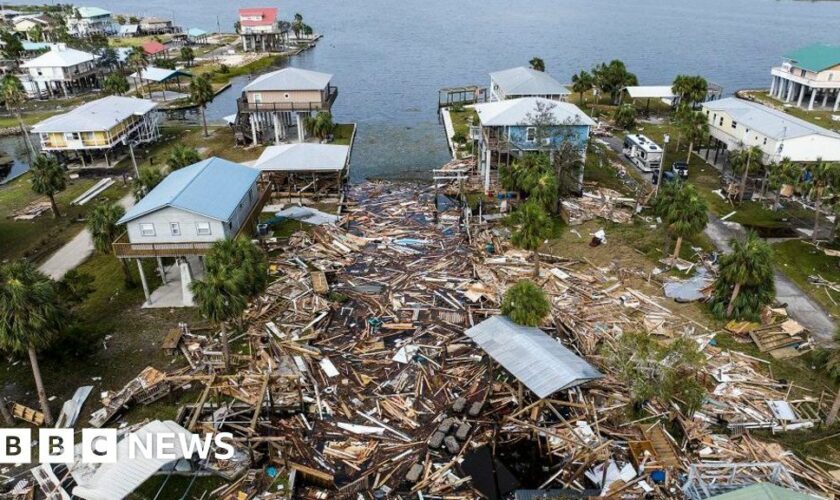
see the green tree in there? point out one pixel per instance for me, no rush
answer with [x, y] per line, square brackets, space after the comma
[742, 161]
[825, 178]
[36, 34]
[108, 58]
[690, 89]
[694, 128]
[31, 317]
[147, 180]
[201, 94]
[625, 116]
[12, 47]
[829, 359]
[182, 156]
[582, 83]
[686, 215]
[236, 270]
[116, 84]
[537, 64]
[778, 175]
[48, 179]
[612, 78]
[297, 25]
[525, 303]
[653, 370]
[75, 287]
[531, 224]
[187, 55]
[745, 279]
[320, 126]
[14, 96]
[102, 224]
[138, 61]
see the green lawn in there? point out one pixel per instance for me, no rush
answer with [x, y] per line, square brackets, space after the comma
[136, 41]
[799, 259]
[343, 133]
[462, 119]
[37, 239]
[817, 117]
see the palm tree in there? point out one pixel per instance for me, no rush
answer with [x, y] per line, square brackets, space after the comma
[525, 303]
[31, 316]
[201, 94]
[686, 215]
[825, 176]
[187, 55]
[102, 224]
[236, 270]
[14, 95]
[147, 180]
[625, 116]
[537, 64]
[116, 84]
[582, 83]
[830, 359]
[690, 89]
[36, 34]
[48, 179]
[297, 25]
[613, 77]
[182, 156]
[695, 128]
[321, 125]
[779, 174]
[12, 47]
[531, 223]
[138, 61]
[742, 161]
[749, 264]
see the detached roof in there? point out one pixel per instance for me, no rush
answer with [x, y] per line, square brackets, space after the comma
[267, 15]
[290, 79]
[816, 57]
[650, 92]
[526, 81]
[303, 157]
[521, 111]
[99, 115]
[763, 491]
[120, 479]
[127, 29]
[536, 359]
[153, 47]
[154, 74]
[60, 56]
[87, 12]
[212, 188]
[196, 32]
[769, 121]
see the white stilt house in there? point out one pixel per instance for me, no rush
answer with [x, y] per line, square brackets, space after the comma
[809, 77]
[276, 102]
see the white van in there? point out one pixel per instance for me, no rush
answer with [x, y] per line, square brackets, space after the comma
[644, 153]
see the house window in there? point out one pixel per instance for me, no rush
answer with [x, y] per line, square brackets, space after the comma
[734, 124]
[720, 123]
[531, 134]
[765, 141]
[71, 136]
[147, 229]
[202, 228]
[175, 229]
[257, 98]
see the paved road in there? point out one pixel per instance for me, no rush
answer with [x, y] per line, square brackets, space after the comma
[799, 305]
[76, 250]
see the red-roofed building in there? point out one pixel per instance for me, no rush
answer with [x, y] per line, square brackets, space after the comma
[260, 30]
[154, 49]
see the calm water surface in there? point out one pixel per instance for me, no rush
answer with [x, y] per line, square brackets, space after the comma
[390, 58]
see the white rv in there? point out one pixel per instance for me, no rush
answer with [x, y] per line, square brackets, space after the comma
[644, 153]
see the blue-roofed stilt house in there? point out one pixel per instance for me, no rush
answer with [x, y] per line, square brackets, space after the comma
[511, 128]
[187, 212]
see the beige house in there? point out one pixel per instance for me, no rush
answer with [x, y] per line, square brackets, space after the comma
[809, 76]
[276, 102]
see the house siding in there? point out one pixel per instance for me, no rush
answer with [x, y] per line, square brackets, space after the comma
[279, 96]
[577, 134]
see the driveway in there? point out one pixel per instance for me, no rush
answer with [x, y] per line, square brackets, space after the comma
[75, 251]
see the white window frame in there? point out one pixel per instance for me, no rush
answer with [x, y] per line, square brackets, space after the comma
[530, 134]
[203, 229]
[257, 98]
[175, 229]
[147, 229]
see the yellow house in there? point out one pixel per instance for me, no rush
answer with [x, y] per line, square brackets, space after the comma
[100, 126]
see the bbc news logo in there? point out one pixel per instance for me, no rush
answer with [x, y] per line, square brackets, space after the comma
[101, 446]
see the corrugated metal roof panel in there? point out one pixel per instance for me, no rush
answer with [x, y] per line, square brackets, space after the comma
[536, 359]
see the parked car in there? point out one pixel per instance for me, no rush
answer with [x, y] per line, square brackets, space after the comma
[680, 168]
[667, 175]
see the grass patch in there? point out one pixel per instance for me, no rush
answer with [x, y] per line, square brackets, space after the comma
[252, 67]
[136, 41]
[798, 260]
[343, 133]
[462, 119]
[818, 117]
[36, 239]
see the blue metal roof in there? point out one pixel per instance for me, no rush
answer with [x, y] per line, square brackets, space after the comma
[212, 188]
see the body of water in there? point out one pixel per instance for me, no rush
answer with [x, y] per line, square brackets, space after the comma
[390, 58]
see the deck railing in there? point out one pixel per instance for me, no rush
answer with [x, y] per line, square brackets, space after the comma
[304, 106]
